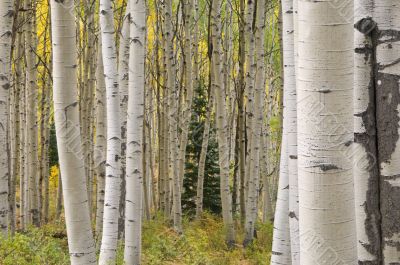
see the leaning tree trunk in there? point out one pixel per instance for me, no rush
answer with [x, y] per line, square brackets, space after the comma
[366, 171]
[387, 69]
[221, 123]
[202, 159]
[6, 20]
[325, 132]
[77, 214]
[281, 246]
[112, 195]
[134, 151]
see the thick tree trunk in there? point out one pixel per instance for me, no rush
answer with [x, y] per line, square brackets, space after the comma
[325, 132]
[134, 152]
[77, 214]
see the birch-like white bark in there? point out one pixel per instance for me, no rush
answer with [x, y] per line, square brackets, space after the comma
[31, 98]
[101, 143]
[123, 80]
[325, 133]
[6, 22]
[288, 14]
[202, 159]
[255, 139]
[281, 248]
[77, 214]
[134, 151]
[221, 123]
[366, 171]
[109, 242]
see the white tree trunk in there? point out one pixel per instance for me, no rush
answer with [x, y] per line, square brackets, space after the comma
[31, 114]
[291, 105]
[77, 215]
[6, 21]
[173, 99]
[112, 195]
[366, 174]
[221, 123]
[134, 153]
[387, 69]
[255, 139]
[281, 247]
[123, 77]
[202, 159]
[101, 143]
[325, 133]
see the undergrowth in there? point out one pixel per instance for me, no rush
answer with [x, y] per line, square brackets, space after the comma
[202, 244]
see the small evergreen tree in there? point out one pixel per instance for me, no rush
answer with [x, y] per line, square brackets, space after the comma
[212, 199]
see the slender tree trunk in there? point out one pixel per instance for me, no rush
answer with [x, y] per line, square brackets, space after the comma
[281, 247]
[123, 77]
[77, 214]
[173, 99]
[109, 241]
[202, 160]
[241, 112]
[254, 177]
[101, 144]
[134, 171]
[291, 105]
[325, 132]
[6, 19]
[221, 123]
[59, 203]
[366, 171]
[187, 107]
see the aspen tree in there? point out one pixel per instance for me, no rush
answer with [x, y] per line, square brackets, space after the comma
[366, 174]
[101, 142]
[109, 241]
[77, 213]
[288, 14]
[325, 132]
[386, 15]
[31, 115]
[134, 151]
[123, 80]
[202, 159]
[221, 123]
[173, 98]
[6, 22]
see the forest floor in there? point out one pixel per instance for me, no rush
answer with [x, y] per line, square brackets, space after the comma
[202, 244]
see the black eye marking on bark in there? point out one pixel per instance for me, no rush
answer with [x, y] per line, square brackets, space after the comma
[366, 25]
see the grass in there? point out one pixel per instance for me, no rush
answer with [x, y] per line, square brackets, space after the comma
[202, 244]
